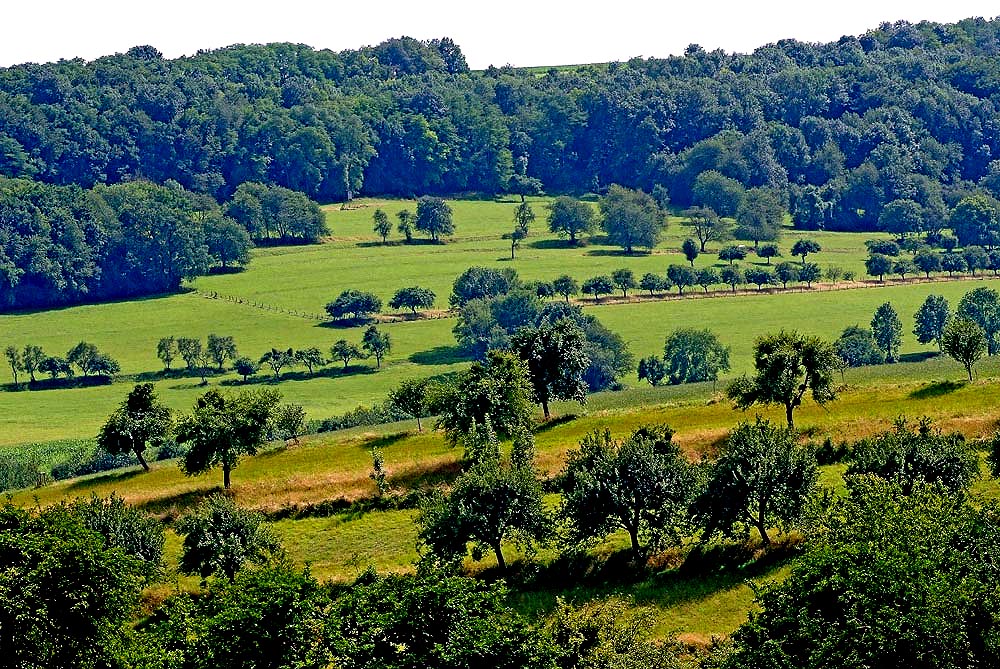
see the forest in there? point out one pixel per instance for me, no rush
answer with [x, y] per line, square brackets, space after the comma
[903, 118]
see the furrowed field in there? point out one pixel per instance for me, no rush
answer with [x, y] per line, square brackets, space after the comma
[285, 289]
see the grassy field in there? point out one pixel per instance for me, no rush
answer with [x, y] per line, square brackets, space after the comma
[289, 285]
[335, 467]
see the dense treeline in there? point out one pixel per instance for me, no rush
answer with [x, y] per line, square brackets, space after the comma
[904, 112]
[65, 244]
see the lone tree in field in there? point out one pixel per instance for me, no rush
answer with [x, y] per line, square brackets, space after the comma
[223, 428]
[732, 253]
[597, 286]
[887, 330]
[566, 286]
[405, 226]
[707, 226]
[878, 265]
[413, 298]
[732, 276]
[571, 218]
[931, 319]
[434, 217]
[220, 538]
[345, 351]
[651, 282]
[624, 280]
[682, 277]
[762, 478]
[410, 397]
[310, 358]
[786, 366]
[142, 420]
[357, 304]
[166, 351]
[277, 360]
[982, 307]
[381, 225]
[220, 349]
[964, 341]
[493, 501]
[245, 367]
[555, 354]
[642, 485]
[690, 250]
[631, 218]
[523, 218]
[803, 247]
[691, 355]
[498, 390]
[768, 251]
[376, 344]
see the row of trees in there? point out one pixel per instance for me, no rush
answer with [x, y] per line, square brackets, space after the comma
[85, 357]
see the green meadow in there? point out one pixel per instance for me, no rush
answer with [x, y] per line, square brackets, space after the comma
[290, 284]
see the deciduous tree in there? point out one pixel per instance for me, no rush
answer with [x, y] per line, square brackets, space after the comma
[139, 422]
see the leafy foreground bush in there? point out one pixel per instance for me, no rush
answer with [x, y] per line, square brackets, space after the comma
[890, 580]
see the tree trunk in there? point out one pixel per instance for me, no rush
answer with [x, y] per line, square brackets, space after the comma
[500, 560]
[633, 533]
[762, 526]
[512, 251]
[226, 469]
[545, 408]
[419, 429]
[142, 460]
[789, 408]
[968, 368]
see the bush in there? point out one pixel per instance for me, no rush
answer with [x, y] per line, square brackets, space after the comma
[376, 414]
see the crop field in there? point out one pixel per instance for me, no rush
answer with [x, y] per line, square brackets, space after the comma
[297, 281]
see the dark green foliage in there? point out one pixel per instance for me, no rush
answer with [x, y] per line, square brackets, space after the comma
[91, 361]
[220, 538]
[570, 217]
[809, 272]
[902, 217]
[889, 580]
[631, 218]
[270, 616]
[434, 217]
[310, 358]
[381, 224]
[786, 366]
[759, 216]
[567, 286]
[768, 251]
[904, 266]
[878, 265]
[976, 220]
[652, 369]
[651, 282]
[228, 242]
[953, 262]
[624, 280]
[643, 485]
[597, 286]
[887, 331]
[856, 347]
[272, 214]
[731, 253]
[497, 391]
[220, 349]
[718, 193]
[691, 355]
[494, 501]
[733, 276]
[964, 341]
[433, 620]
[761, 276]
[882, 247]
[481, 283]
[803, 247]
[982, 307]
[682, 277]
[357, 304]
[706, 277]
[975, 258]
[376, 344]
[707, 226]
[927, 261]
[908, 457]
[931, 319]
[245, 367]
[277, 360]
[222, 428]
[607, 351]
[690, 249]
[413, 298]
[135, 532]
[410, 397]
[786, 272]
[555, 354]
[346, 351]
[761, 479]
[67, 592]
[141, 421]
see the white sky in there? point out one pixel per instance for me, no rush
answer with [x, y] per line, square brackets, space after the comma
[519, 32]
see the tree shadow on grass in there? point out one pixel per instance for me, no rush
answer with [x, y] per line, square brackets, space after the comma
[345, 323]
[554, 423]
[331, 372]
[172, 506]
[383, 441]
[918, 357]
[440, 355]
[550, 244]
[114, 476]
[617, 253]
[936, 389]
